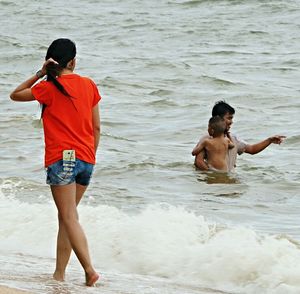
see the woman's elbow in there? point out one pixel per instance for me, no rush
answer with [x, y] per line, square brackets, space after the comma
[12, 96]
[16, 97]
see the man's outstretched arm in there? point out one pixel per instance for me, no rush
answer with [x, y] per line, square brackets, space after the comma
[258, 147]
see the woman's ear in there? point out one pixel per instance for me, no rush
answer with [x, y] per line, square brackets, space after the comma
[71, 64]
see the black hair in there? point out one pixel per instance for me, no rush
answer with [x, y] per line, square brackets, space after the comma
[218, 124]
[62, 51]
[221, 108]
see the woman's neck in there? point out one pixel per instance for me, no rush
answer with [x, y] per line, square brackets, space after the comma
[66, 71]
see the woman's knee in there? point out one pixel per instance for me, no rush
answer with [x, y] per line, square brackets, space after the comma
[68, 216]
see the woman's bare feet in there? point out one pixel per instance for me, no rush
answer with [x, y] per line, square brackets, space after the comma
[58, 276]
[91, 279]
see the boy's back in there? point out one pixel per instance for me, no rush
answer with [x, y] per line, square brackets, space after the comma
[217, 149]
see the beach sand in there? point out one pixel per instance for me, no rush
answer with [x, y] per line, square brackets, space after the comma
[7, 290]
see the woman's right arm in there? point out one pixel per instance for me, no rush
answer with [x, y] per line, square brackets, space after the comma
[23, 91]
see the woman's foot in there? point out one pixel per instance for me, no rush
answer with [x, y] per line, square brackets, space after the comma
[91, 279]
[58, 276]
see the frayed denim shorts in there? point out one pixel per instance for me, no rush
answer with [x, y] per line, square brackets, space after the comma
[67, 172]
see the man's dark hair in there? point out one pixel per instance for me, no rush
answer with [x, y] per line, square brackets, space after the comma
[221, 108]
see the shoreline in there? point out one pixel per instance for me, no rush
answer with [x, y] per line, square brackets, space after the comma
[9, 290]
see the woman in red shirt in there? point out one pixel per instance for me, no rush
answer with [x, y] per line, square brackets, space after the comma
[71, 123]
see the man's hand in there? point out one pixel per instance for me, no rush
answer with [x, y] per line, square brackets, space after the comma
[278, 139]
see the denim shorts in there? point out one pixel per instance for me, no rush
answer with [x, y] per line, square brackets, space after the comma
[67, 172]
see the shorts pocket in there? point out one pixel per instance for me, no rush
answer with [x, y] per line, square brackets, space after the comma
[59, 174]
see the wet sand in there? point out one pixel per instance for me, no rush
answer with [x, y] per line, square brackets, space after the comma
[7, 290]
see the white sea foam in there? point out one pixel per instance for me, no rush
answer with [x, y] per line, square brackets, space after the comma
[164, 241]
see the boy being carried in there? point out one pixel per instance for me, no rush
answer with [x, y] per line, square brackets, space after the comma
[216, 147]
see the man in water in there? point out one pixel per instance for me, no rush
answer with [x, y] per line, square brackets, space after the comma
[225, 111]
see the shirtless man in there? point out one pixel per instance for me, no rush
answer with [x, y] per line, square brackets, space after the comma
[216, 146]
[227, 112]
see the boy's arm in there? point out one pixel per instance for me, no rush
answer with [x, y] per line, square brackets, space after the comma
[199, 147]
[200, 162]
[258, 147]
[196, 149]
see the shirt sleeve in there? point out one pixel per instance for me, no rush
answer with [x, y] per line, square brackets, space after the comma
[41, 93]
[97, 96]
[241, 145]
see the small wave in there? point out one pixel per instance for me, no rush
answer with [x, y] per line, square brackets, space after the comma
[14, 188]
[150, 164]
[8, 40]
[176, 164]
[162, 103]
[7, 3]
[135, 25]
[192, 3]
[161, 64]
[229, 52]
[284, 69]
[161, 92]
[116, 137]
[220, 81]
[293, 140]
[292, 62]
[110, 82]
[141, 165]
[258, 32]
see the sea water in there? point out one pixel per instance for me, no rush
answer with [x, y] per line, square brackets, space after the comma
[155, 224]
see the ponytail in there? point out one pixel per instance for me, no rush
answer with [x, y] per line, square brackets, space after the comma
[53, 71]
[62, 51]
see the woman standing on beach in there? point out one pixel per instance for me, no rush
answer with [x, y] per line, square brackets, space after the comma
[71, 123]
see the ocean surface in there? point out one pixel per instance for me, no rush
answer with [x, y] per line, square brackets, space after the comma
[155, 225]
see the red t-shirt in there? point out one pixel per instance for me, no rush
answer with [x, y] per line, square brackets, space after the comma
[68, 123]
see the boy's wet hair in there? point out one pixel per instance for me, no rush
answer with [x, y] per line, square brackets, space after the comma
[218, 124]
[221, 108]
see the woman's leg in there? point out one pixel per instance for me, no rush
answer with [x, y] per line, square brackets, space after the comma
[63, 249]
[65, 200]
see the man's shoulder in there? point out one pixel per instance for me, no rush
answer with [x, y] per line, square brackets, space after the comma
[237, 139]
[241, 144]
